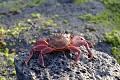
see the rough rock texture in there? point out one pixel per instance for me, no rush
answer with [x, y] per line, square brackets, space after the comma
[59, 66]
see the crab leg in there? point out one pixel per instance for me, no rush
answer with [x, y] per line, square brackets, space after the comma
[86, 44]
[75, 49]
[36, 48]
[30, 56]
[83, 42]
[44, 51]
[90, 55]
[90, 44]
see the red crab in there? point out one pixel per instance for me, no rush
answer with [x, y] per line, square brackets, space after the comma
[60, 41]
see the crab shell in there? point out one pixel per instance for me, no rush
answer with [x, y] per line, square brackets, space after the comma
[60, 41]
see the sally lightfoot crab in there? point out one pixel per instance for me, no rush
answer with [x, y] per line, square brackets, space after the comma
[58, 42]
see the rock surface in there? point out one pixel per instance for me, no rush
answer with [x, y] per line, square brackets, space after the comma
[59, 66]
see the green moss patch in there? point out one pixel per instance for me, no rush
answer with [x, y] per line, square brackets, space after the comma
[116, 53]
[65, 22]
[14, 73]
[15, 6]
[86, 16]
[1, 16]
[113, 37]
[55, 16]
[11, 61]
[49, 22]
[7, 65]
[17, 29]
[2, 78]
[20, 4]
[80, 1]
[35, 2]
[2, 33]
[110, 17]
[36, 15]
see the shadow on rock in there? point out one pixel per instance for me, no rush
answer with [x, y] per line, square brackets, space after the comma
[103, 47]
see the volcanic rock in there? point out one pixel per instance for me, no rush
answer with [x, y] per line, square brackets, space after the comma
[59, 66]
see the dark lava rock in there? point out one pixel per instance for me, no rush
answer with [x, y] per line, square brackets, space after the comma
[59, 66]
[65, 1]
